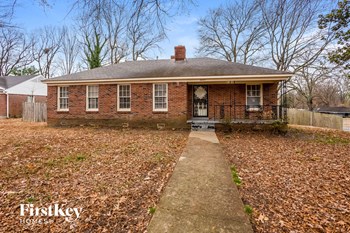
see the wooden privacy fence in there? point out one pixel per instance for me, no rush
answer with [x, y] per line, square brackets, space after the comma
[304, 117]
[34, 112]
[346, 124]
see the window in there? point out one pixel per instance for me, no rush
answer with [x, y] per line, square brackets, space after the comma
[92, 98]
[160, 97]
[124, 98]
[62, 99]
[253, 97]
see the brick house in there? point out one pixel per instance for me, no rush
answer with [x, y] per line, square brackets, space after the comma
[14, 90]
[171, 92]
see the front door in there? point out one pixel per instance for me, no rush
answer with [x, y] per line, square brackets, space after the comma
[200, 101]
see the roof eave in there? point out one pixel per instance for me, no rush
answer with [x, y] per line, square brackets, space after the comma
[227, 78]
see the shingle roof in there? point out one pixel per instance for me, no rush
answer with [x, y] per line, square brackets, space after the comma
[192, 67]
[10, 81]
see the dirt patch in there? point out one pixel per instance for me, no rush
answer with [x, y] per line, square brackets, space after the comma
[299, 182]
[115, 176]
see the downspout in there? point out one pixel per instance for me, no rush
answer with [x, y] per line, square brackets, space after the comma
[7, 105]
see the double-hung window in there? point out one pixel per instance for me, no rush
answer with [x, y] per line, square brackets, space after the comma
[92, 98]
[254, 97]
[62, 104]
[124, 97]
[160, 97]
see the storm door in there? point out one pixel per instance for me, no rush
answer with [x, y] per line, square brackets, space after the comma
[200, 101]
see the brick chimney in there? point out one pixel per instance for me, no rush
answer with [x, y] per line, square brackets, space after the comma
[180, 53]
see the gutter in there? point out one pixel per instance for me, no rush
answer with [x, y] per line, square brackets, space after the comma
[7, 105]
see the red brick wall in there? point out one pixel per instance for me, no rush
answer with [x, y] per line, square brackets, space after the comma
[141, 112]
[16, 102]
[2, 105]
[189, 101]
[270, 93]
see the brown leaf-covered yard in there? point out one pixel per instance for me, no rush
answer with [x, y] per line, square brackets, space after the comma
[115, 176]
[299, 182]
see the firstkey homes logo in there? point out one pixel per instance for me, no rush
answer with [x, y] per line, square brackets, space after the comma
[31, 214]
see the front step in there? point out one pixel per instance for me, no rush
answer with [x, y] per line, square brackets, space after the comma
[202, 126]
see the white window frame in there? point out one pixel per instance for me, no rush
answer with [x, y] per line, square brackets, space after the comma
[154, 97]
[118, 99]
[87, 98]
[59, 99]
[246, 96]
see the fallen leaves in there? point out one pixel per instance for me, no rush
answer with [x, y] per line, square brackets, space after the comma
[114, 175]
[295, 183]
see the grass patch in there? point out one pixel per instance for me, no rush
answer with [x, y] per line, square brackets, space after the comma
[65, 160]
[248, 209]
[48, 147]
[17, 144]
[74, 158]
[81, 157]
[332, 140]
[51, 163]
[151, 210]
[158, 157]
[30, 200]
[236, 179]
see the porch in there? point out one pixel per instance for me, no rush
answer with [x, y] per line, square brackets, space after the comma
[234, 103]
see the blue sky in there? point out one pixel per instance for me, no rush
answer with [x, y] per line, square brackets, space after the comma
[182, 30]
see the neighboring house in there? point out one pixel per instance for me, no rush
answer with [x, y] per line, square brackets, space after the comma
[14, 90]
[340, 111]
[171, 93]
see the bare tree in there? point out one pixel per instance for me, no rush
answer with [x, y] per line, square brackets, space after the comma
[69, 51]
[327, 93]
[308, 78]
[45, 48]
[333, 91]
[342, 82]
[129, 27]
[142, 35]
[292, 30]
[14, 50]
[233, 32]
[7, 8]
[161, 10]
[115, 23]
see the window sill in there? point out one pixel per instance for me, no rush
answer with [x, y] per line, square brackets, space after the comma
[92, 110]
[62, 110]
[160, 111]
[123, 109]
[254, 110]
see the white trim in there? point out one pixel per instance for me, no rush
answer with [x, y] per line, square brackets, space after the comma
[167, 99]
[123, 109]
[7, 105]
[87, 99]
[58, 100]
[261, 95]
[267, 77]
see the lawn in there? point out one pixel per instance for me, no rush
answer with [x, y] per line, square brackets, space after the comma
[299, 182]
[115, 176]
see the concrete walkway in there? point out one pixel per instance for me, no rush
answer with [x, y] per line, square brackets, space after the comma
[200, 195]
